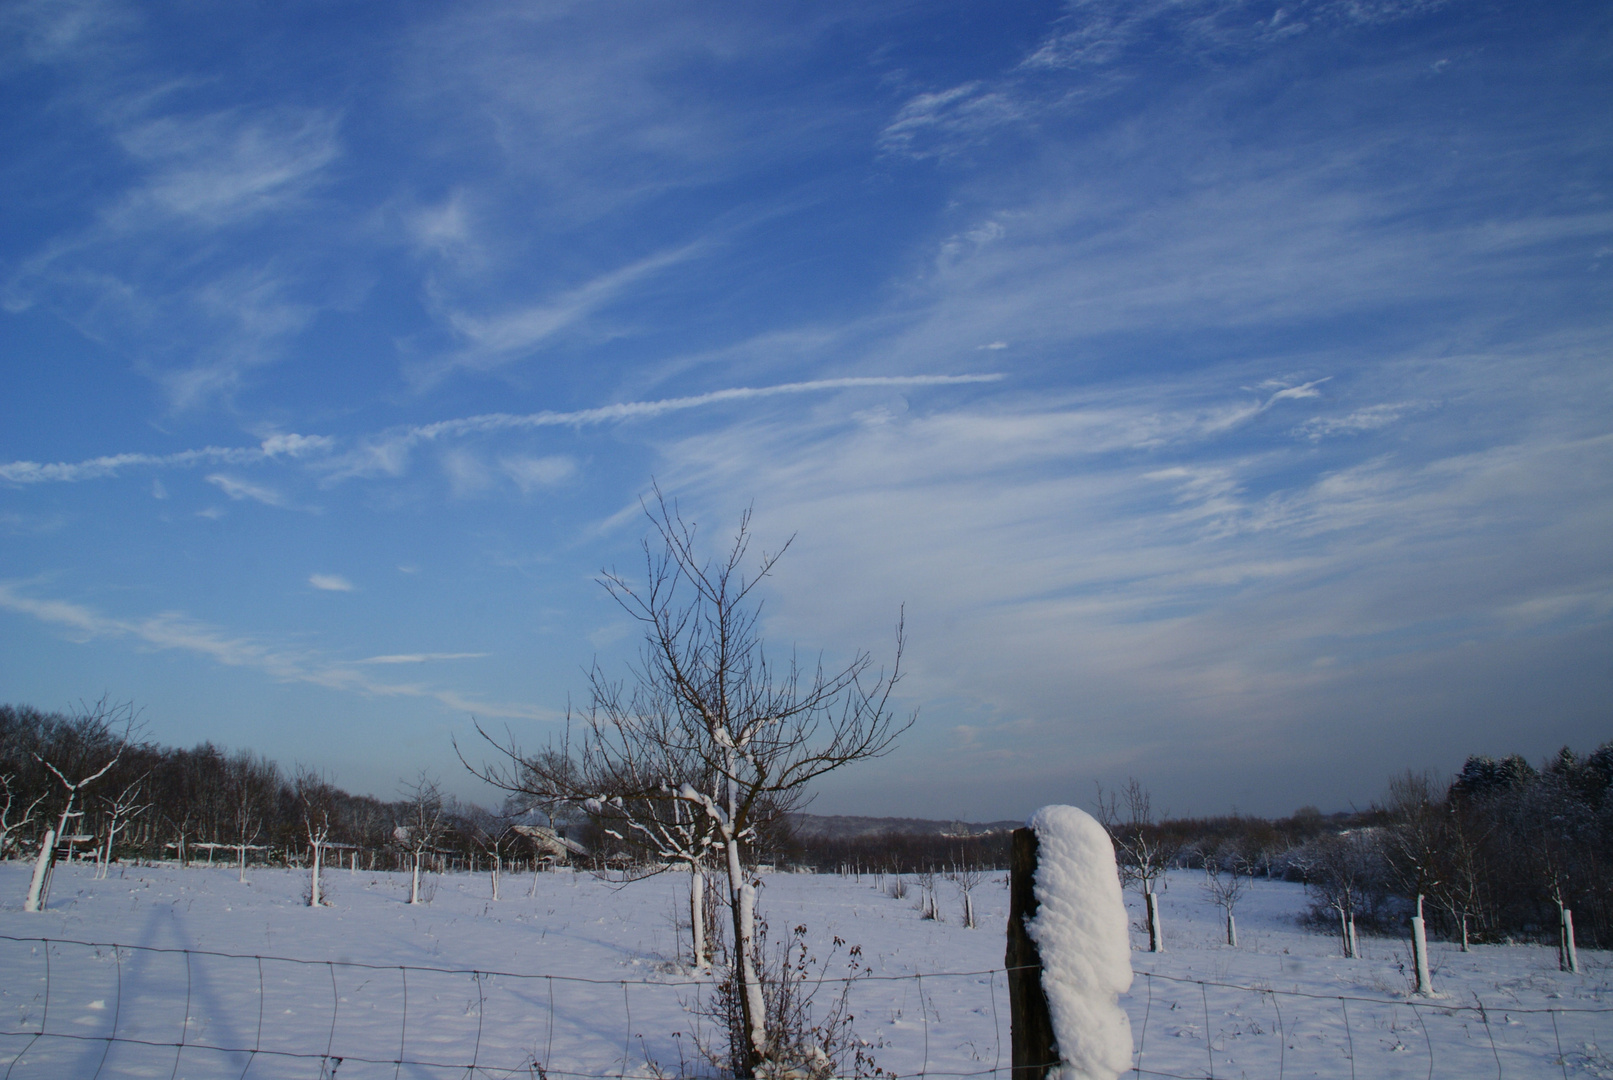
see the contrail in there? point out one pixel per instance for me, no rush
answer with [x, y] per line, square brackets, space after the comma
[296, 446]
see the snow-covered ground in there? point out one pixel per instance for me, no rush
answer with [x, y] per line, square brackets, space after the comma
[583, 977]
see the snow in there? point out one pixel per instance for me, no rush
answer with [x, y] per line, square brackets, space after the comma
[1281, 1000]
[1080, 930]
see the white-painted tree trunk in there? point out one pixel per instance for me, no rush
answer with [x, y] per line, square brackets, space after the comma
[1419, 950]
[1464, 931]
[496, 867]
[697, 915]
[414, 881]
[1355, 946]
[1344, 933]
[1156, 932]
[968, 912]
[1570, 951]
[1232, 930]
[36, 885]
[743, 897]
[314, 897]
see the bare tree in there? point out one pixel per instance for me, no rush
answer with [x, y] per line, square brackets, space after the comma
[491, 833]
[1415, 847]
[1226, 876]
[122, 808]
[419, 832]
[1143, 851]
[12, 819]
[317, 798]
[92, 743]
[251, 783]
[1339, 869]
[966, 876]
[1459, 889]
[709, 737]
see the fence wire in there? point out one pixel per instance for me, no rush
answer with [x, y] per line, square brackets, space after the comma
[98, 1009]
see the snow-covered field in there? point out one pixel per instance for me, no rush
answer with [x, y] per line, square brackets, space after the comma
[582, 976]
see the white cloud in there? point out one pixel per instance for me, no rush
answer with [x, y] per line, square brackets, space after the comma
[173, 631]
[387, 454]
[240, 489]
[467, 475]
[494, 340]
[221, 167]
[533, 473]
[420, 658]
[1167, 562]
[1370, 418]
[330, 582]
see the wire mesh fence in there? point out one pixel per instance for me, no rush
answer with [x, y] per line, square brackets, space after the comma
[89, 1010]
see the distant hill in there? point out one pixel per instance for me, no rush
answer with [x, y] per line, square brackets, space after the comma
[847, 827]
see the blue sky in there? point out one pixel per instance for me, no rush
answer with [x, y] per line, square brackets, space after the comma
[1223, 387]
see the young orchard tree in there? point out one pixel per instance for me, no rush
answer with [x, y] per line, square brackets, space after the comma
[1460, 887]
[491, 833]
[1415, 848]
[1338, 872]
[1143, 852]
[318, 801]
[967, 874]
[709, 735]
[121, 810]
[421, 828]
[251, 785]
[1226, 876]
[14, 817]
[88, 747]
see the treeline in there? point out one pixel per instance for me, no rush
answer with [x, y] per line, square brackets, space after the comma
[1496, 854]
[106, 793]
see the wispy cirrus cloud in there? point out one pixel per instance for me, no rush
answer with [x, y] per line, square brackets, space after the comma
[1097, 48]
[177, 632]
[495, 339]
[421, 658]
[387, 453]
[240, 489]
[330, 583]
[288, 446]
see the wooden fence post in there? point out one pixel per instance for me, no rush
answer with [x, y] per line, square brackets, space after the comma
[1035, 1048]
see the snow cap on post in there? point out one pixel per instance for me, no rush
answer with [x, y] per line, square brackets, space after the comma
[1080, 930]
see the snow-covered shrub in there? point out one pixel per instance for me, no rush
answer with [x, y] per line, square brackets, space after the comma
[806, 1039]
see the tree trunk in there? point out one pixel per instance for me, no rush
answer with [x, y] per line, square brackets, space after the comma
[1419, 950]
[36, 886]
[1355, 946]
[697, 915]
[1344, 932]
[414, 881]
[314, 899]
[1570, 951]
[968, 912]
[1232, 930]
[497, 866]
[1156, 932]
[1464, 931]
[753, 1007]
